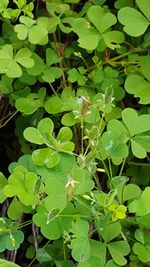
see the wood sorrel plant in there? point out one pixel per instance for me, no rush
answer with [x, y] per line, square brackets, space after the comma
[76, 75]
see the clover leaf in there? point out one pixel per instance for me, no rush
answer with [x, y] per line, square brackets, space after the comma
[136, 126]
[135, 24]
[22, 183]
[114, 145]
[52, 224]
[118, 250]
[44, 135]
[140, 206]
[110, 231]
[9, 63]
[89, 36]
[31, 102]
[22, 29]
[50, 229]
[80, 243]
[77, 75]
[142, 248]
[97, 254]
[140, 89]
[56, 192]
[36, 30]
[138, 85]
[10, 236]
[82, 180]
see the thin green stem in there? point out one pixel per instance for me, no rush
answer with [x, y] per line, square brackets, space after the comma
[73, 215]
[132, 51]
[99, 129]
[82, 135]
[25, 224]
[110, 168]
[97, 181]
[105, 167]
[64, 252]
[139, 164]
[122, 167]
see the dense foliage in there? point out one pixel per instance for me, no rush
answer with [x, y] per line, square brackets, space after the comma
[76, 77]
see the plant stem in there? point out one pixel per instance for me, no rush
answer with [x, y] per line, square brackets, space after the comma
[4, 124]
[82, 135]
[110, 168]
[97, 181]
[122, 167]
[139, 164]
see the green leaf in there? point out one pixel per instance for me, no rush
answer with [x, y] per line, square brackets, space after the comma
[101, 20]
[33, 135]
[141, 206]
[38, 66]
[51, 57]
[80, 249]
[84, 264]
[142, 251]
[50, 74]
[31, 102]
[42, 255]
[9, 62]
[53, 105]
[11, 238]
[137, 150]
[80, 244]
[113, 38]
[110, 231]
[80, 228]
[144, 65]
[98, 254]
[49, 229]
[118, 250]
[123, 3]
[111, 263]
[3, 182]
[83, 181]
[46, 126]
[5, 263]
[38, 34]
[114, 146]
[144, 141]
[16, 209]
[23, 57]
[68, 119]
[138, 86]
[135, 124]
[135, 24]
[65, 134]
[45, 156]
[131, 191]
[88, 36]
[52, 225]
[56, 192]
[60, 171]
[144, 221]
[143, 6]
[21, 183]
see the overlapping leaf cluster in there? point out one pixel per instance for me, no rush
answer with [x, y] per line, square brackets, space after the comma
[76, 73]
